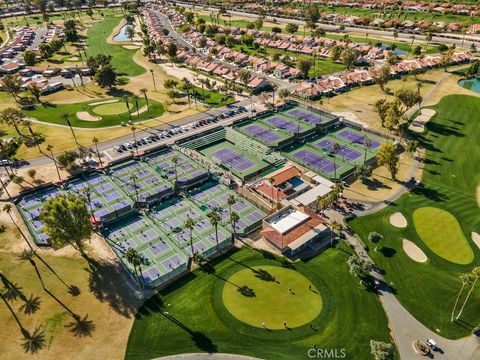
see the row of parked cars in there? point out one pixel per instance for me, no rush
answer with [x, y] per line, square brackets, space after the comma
[162, 134]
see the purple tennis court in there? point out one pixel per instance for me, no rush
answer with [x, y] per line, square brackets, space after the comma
[261, 133]
[357, 138]
[312, 119]
[233, 159]
[284, 124]
[316, 161]
[344, 152]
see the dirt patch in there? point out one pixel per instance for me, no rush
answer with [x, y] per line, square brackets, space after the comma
[86, 116]
[418, 125]
[131, 47]
[476, 239]
[413, 251]
[398, 220]
[380, 187]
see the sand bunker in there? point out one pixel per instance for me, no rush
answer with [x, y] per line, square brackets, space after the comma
[73, 58]
[413, 251]
[478, 195]
[398, 220]
[103, 102]
[131, 47]
[84, 115]
[476, 239]
[141, 110]
[418, 125]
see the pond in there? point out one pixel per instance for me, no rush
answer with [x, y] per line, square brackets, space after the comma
[122, 34]
[471, 84]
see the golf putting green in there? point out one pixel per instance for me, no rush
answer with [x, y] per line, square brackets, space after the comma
[261, 294]
[112, 108]
[442, 233]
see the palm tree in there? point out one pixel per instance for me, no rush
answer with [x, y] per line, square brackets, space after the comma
[214, 218]
[234, 217]
[335, 227]
[175, 164]
[4, 186]
[28, 124]
[475, 275]
[135, 99]
[50, 149]
[190, 224]
[24, 331]
[336, 147]
[133, 128]
[465, 279]
[232, 200]
[127, 104]
[153, 79]
[30, 305]
[95, 141]
[66, 117]
[143, 91]
[28, 255]
[134, 178]
[133, 258]
[367, 144]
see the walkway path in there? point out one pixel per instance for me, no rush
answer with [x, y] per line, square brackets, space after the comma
[205, 356]
[406, 328]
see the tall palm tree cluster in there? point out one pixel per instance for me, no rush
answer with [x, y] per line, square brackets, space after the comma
[33, 341]
[471, 279]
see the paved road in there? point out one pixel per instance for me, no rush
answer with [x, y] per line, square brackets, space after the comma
[330, 27]
[406, 328]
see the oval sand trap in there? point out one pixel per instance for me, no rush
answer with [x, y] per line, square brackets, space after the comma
[476, 239]
[398, 220]
[413, 251]
[441, 232]
[84, 115]
[131, 47]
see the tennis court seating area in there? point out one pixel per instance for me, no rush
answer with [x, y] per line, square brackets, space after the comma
[141, 181]
[107, 200]
[162, 260]
[176, 167]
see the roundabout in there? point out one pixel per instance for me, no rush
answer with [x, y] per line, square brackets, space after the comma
[271, 296]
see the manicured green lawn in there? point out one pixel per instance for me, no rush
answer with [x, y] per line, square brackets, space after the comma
[111, 109]
[97, 44]
[442, 233]
[212, 98]
[190, 316]
[267, 288]
[52, 113]
[450, 178]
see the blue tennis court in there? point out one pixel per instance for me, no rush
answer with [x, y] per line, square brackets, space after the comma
[308, 117]
[316, 161]
[344, 151]
[284, 124]
[357, 138]
[233, 159]
[262, 133]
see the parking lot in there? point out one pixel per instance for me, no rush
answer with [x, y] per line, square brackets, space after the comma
[169, 136]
